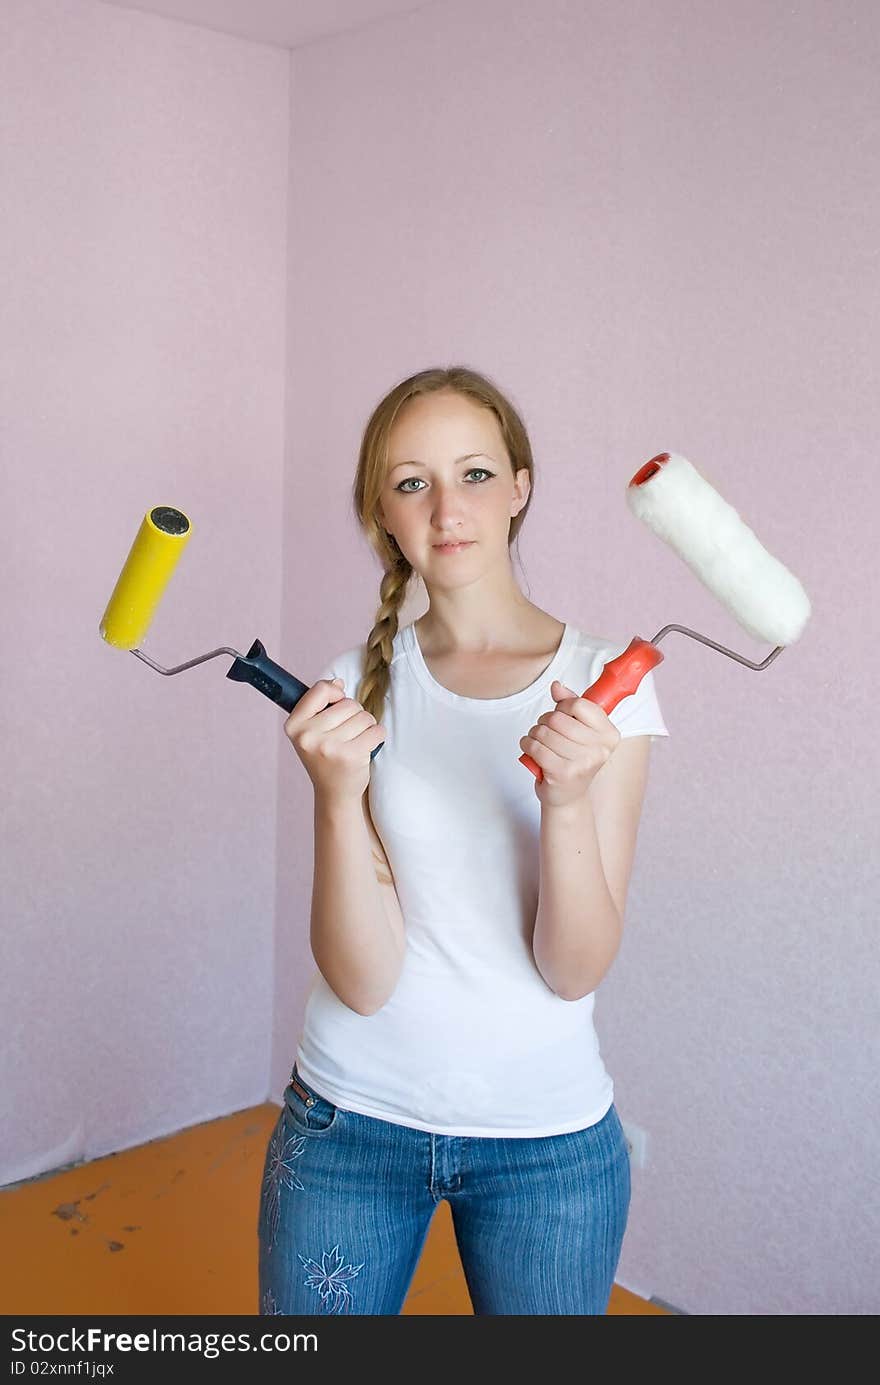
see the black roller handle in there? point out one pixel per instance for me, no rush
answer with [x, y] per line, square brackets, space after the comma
[272, 681]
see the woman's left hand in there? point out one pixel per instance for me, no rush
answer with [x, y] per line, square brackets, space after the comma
[571, 745]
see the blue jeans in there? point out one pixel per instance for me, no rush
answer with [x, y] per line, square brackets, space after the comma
[346, 1202]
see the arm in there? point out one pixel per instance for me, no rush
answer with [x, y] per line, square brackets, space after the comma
[357, 933]
[586, 853]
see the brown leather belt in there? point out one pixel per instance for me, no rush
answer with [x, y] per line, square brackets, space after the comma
[301, 1091]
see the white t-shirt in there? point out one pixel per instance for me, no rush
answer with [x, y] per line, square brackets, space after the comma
[472, 1040]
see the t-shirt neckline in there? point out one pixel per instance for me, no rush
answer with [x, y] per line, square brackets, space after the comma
[483, 704]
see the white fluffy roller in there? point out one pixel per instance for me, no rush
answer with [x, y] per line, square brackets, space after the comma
[680, 506]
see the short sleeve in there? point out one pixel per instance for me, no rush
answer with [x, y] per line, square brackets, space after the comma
[329, 671]
[346, 666]
[639, 714]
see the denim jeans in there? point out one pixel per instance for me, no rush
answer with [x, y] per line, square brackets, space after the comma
[346, 1201]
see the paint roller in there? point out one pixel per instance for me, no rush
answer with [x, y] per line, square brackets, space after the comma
[667, 493]
[678, 504]
[153, 557]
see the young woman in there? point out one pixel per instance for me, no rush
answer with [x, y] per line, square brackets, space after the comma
[463, 911]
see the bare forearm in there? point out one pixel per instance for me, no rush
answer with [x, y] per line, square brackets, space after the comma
[577, 929]
[352, 938]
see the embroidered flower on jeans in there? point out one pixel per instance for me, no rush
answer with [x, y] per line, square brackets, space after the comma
[283, 1149]
[330, 1279]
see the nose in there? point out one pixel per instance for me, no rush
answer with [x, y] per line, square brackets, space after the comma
[448, 509]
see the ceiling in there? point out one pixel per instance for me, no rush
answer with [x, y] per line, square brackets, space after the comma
[286, 23]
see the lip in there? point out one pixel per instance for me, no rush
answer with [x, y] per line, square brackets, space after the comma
[452, 547]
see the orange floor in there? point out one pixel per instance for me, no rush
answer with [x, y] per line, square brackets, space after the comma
[170, 1228]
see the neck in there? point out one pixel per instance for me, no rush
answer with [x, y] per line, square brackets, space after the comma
[450, 628]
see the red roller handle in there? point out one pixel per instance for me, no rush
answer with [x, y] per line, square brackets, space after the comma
[618, 679]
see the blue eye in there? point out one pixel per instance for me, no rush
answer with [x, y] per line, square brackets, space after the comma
[407, 479]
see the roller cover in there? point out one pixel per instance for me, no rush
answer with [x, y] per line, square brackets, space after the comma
[154, 555]
[678, 504]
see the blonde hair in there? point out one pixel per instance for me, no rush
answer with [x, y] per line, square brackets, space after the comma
[368, 485]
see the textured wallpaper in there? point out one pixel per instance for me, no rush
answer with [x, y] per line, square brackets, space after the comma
[654, 225]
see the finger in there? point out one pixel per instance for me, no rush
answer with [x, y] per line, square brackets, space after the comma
[321, 694]
[346, 709]
[542, 757]
[328, 687]
[560, 690]
[563, 746]
[581, 708]
[327, 701]
[566, 725]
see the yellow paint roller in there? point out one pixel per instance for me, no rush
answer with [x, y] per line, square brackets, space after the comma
[153, 557]
[155, 553]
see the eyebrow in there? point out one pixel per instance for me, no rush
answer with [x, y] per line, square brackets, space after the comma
[458, 461]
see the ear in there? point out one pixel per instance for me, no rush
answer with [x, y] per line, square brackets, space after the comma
[523, 488]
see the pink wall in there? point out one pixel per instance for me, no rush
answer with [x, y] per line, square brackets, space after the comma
[144, 255]
[655, 225]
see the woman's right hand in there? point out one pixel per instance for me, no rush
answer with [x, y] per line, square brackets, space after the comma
[334, 737]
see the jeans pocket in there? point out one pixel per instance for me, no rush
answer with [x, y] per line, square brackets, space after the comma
[307, 1111]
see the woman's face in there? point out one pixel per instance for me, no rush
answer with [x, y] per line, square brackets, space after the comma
[449, 480]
